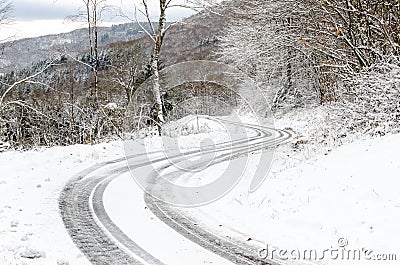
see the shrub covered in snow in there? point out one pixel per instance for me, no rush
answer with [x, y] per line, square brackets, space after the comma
[370, 100]
[4, 146]
[111, 106]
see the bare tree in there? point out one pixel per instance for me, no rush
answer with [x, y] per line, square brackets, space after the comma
[265, 39]
[158, 38]
[8, 101]
[10, 87]
[293, 47]
[92, 13]
[5, 10]
[5, 13]
[125, 72]
[157, 35]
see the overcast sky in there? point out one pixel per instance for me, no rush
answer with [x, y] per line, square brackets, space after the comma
[33, 18]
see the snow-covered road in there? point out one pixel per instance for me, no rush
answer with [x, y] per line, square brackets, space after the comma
[125, 230]
[309, 202]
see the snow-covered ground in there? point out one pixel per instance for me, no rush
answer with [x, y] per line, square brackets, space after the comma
[340, 205]
[30, 184]
[313, 197]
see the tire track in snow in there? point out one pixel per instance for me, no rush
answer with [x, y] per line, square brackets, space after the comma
[102, 242]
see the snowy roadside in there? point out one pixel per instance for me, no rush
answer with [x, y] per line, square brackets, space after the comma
[331, 203]
[31, 230]
[313, 196]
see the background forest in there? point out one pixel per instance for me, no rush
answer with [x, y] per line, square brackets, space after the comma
[341, 55]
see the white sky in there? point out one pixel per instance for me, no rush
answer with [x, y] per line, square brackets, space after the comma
[31, 18]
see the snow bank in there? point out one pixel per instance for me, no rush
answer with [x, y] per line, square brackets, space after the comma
[349, 195]
[31, 230]
[307, 202]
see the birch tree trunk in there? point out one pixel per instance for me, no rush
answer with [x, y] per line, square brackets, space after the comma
[158, 38]
[156, 58]
[96, 51]
[92, 9]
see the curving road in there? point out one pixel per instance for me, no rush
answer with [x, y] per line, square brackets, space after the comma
[102, 242]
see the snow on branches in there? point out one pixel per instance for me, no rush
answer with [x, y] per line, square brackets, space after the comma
[300, 50]
[370, 100]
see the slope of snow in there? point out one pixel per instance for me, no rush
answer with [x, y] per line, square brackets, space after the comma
[30, 183]
[31, 230]
[123, 201]
[307, 202]
[349, 195]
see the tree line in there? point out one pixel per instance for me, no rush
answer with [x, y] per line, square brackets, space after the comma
[85, 98]
[339, 53]
[322, 52]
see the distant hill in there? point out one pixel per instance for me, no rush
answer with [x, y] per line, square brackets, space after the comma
[22, 53]
[62, 92]
[193, 38]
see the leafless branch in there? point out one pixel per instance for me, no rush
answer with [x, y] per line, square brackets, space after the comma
[24, 80]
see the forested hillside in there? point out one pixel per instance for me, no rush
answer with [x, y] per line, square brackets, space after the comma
[341, 54]
[55, 108]
[24, 52]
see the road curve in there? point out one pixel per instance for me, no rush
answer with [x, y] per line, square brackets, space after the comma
[102, 242]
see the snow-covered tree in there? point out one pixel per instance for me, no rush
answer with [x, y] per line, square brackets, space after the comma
[307, 47]
[370, 100]
[5, 12]
[267, 39]
[91, 14]
[368, 28]
[157, 35]
[126, 69]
